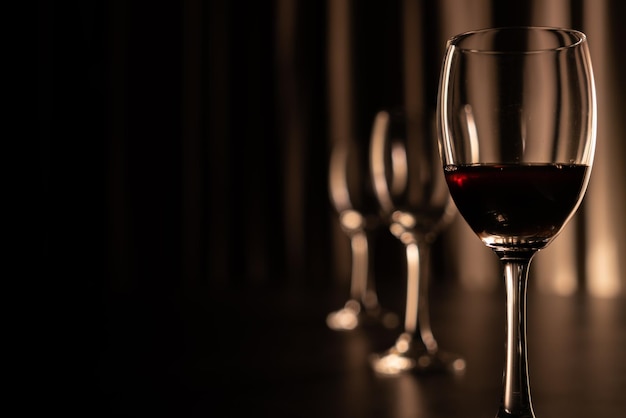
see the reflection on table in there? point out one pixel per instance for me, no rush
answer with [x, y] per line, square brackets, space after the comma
[274, 356]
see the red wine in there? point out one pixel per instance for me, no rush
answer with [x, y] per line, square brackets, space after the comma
[516, 207]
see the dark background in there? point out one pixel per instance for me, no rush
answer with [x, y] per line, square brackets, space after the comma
[182, 157]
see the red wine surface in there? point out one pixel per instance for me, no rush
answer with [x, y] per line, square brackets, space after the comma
[519, 206]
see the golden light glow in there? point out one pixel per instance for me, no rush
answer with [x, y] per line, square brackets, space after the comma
[605, 201]
[351, 220]
[344, 319]
[555, 267]
[603, 276]
[393, 364]
[459, 365]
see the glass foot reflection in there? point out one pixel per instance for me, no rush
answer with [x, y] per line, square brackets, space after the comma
[408, 355]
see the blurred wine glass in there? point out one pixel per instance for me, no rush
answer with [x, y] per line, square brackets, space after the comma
[351, 193]
[413, 195]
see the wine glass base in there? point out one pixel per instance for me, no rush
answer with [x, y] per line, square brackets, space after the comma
[354, 315]
[394, 362]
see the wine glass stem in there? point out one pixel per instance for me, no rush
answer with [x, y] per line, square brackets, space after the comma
[412, 287]
[516, 400]
[358, 283]
[416, 321]
[362, 287]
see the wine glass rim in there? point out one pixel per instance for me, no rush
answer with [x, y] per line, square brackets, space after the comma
[577, 36]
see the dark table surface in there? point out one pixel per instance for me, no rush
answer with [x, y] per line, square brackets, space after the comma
[269, 353]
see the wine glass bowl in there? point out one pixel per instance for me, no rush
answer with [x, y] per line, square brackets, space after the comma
[517, 120]
[506, 204]
[415, 201]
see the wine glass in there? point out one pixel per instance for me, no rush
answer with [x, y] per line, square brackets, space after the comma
[517, 114]
[352, 196]
[412, 193]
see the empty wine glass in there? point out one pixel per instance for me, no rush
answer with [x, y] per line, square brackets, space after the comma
[352, 196]
[517, 113]
[412, 193]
